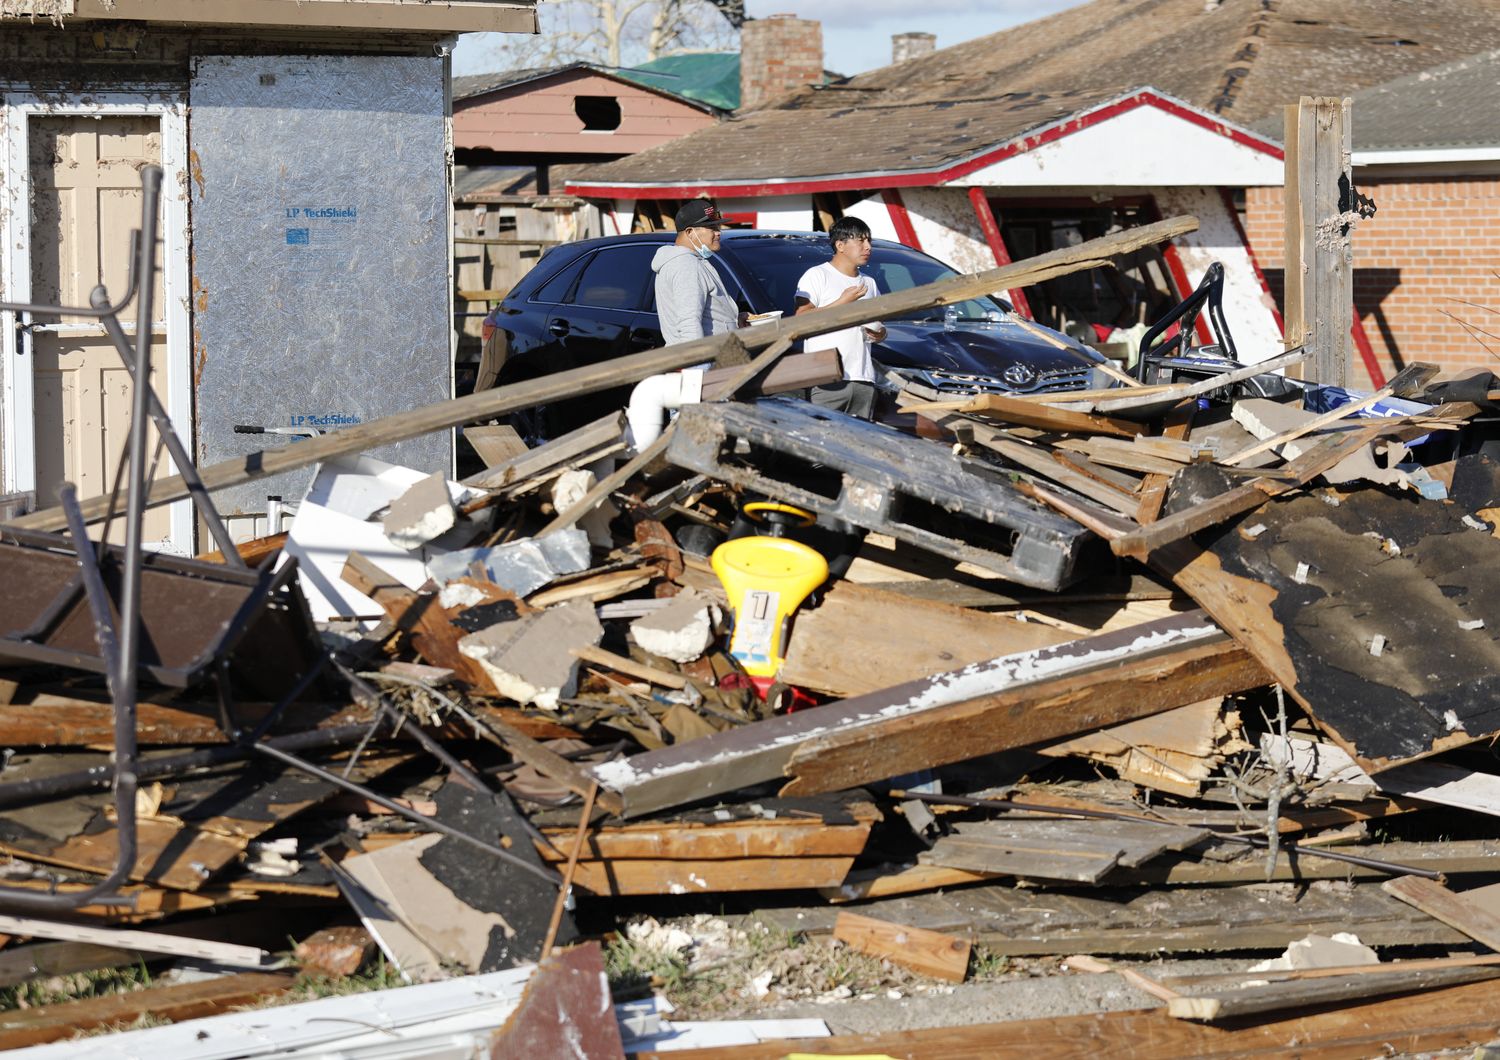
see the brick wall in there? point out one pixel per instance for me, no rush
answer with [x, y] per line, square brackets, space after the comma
[778, 54]
[1432, 246]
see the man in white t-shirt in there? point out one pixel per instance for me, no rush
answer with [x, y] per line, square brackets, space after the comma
[839, 282]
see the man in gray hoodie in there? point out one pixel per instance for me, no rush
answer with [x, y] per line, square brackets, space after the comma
[691, 300]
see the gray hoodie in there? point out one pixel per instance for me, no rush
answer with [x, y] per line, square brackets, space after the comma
[691, 301]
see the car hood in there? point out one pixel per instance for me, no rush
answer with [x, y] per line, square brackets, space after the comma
[976, 347]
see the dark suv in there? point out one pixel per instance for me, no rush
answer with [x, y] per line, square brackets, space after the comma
[593, 300]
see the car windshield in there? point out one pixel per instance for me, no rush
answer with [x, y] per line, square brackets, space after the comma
[775, 264]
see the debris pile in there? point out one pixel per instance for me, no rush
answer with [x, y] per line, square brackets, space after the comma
[1052, 674]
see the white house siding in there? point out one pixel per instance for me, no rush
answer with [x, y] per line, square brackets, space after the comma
[944, 221]
[1247, 305]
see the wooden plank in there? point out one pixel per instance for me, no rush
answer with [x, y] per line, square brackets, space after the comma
[1459, 1017]
[1038, 459]
[254, 552]
[180, 1001]
[653, 674]
[633, 876]
[913, 879]
[630, 369]
[1279, 997]
[1131, 687]
[900, 639]
[555, 453]
[1134, 401]
[758, 752]
[496, 443]
[48, 720]
[1012, 921]
[1178, 425]
[144, 941]
[1085, 963]
[1036, 859]
[928, 953]
[841, 832]
[1043, 417]
[1139, 544]
[1476, 921]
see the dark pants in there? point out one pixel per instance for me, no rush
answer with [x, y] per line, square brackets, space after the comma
[852, 396]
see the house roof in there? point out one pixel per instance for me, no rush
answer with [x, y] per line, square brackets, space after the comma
[1453, 105]
[708, 77]
[1240, 60]
[474, 85]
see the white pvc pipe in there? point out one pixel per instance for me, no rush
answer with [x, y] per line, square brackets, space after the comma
[653, 396]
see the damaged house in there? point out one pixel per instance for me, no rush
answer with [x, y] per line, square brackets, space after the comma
[305, 235]
[1102, 116]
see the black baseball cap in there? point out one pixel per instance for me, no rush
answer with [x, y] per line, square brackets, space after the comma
[698, 213]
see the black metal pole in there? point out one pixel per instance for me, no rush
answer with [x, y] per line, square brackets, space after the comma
[185, 465]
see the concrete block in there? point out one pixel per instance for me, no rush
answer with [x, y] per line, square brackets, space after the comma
[682, 631]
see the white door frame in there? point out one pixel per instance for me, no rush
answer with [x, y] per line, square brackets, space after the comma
[16, 391]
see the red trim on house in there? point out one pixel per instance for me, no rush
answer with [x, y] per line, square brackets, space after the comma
[900, 220]
[1367, 352]
[927, 178]
[985, 214]
[744, 217]
[1185, 286]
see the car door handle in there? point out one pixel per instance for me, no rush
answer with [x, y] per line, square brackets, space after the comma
[558, 327]
[644, 338]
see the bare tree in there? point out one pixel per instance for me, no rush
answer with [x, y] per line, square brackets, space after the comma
[620, 33]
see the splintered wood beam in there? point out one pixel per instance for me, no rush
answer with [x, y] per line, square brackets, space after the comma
[1474, 920]
[751, 754]
[1132, 687]
[623, 370]
[1045, 417]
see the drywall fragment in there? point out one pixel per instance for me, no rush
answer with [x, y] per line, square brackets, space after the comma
[421, 514]
[1320, 951]
[530, 659]
[681, 631]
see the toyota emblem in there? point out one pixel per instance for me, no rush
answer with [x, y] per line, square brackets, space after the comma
[1019, 375]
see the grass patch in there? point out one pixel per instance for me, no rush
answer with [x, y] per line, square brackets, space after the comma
[75, 986]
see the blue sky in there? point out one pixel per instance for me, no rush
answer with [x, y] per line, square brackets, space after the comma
[856, 33]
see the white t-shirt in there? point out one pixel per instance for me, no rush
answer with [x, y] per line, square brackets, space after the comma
[821, 285]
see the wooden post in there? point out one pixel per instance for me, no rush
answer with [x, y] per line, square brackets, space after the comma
[1319, 251]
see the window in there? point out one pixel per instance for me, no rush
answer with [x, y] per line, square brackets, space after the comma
[617, 278]
[558, 288]
[598, 113]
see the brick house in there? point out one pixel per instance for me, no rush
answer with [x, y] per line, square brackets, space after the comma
[1427, 265]
[305, 247]
[1108, 114]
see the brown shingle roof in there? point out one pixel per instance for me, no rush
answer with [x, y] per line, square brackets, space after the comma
[1241, 59]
